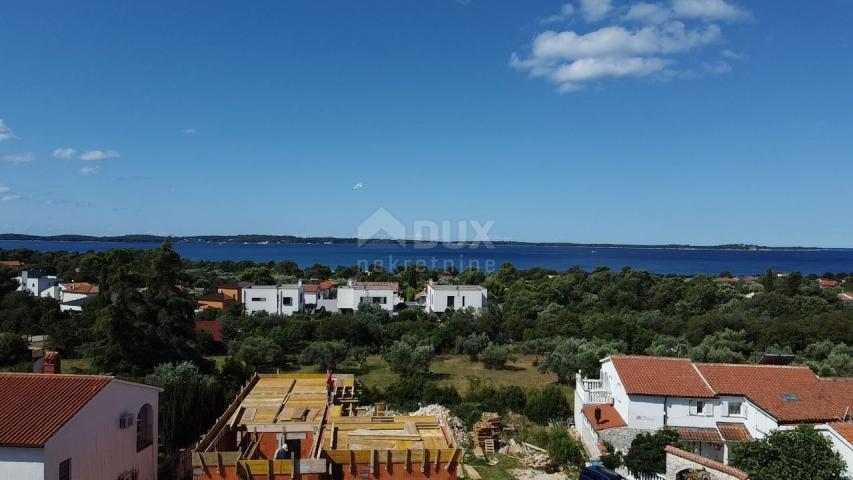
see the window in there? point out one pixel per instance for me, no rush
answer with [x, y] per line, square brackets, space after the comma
[451, 301]
[144, 427]
[65, 469]
[735, 409]
[463, 300]
[700, 408]
[790, 397]
[380, 300]
[259, 299]
[287, 301]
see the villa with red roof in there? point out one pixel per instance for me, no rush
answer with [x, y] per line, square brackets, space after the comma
[711, 405]
[75, 427]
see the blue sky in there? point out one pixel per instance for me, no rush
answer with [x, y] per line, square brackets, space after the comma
[695, 121]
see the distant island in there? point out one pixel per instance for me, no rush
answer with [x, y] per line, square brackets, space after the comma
[292, 239]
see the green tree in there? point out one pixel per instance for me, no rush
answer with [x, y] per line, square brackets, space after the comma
[189, 403]
[409, 359]
[472, 345]
[13, 349]
[727, 346]
[828, 359]
[495, 357]
[800, 454]
[327, 354]
[573, 354]
[667, 346]
[255, 351]
[647, 454]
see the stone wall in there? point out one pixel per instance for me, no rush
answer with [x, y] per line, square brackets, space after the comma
[678, 461]
[620, 438]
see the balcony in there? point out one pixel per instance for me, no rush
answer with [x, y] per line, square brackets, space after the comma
[592, 390]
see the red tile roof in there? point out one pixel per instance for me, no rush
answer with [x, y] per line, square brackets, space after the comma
[213, 327]
[825, 282]
[661, 376]
[311, 288]
[705, 462]
[696, 434]
[844, 429]
[327, 284]
[610, 418]
[788, 393]
[84, 288]
[734, 432]
[36, 406]
[11, 263]
[845, 297]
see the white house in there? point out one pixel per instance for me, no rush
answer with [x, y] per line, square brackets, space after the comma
[712, 406]
[38, 284]
[382, 294]
[439, 298]
[77, 427]
[72, 295]
[274, 299]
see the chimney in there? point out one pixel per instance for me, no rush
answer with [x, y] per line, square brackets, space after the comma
[51, 363]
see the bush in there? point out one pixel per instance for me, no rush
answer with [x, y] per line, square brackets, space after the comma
[326, 354]
[408, 360]
[647, 451]
[547, 404]
[409, 394]
[801, 453]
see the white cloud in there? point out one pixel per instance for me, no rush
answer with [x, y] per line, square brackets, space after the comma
[595, 10]
[708, 10]
[189, 131]
[10, 198]
[64, 153]
[639, 39]
[4, 189]
[91, 155]
[88, 170]
[654, 13]
[18, 158]
[5, 132]
[566, 12]
[358, 186]
[717, 67]
[732, 55]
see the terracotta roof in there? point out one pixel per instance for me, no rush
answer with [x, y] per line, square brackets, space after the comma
[845, 297]
[825, 282]
[11, 263]
[706, 462]
[844, 429]
[392, 285]
[215, 297]
[610, 418]
[36, 406]
[660, 376]
[734, 432]
[791, 394]
[84, 288]
[696, 434]
[311, 288]
[327, 284]
[213, 327]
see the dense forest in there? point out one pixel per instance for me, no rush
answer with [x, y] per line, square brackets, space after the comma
[141, 327]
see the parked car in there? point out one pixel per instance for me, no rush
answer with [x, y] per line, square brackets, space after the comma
[597, 472]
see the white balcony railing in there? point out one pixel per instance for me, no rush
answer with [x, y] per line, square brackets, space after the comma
[592, 391]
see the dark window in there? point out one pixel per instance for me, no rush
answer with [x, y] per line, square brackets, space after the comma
[463, 300]
[144, 427]
[287, 301]
[65, 469]
[451, 301]
[259, 299]
[380, 300]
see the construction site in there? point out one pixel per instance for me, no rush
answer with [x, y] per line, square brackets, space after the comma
[310, 427]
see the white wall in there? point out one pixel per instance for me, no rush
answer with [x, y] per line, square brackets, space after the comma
[271, 299]
[351, 297]
[468, 296]
[840, 445]
[98, 448]
[35, 286]
[21, 463]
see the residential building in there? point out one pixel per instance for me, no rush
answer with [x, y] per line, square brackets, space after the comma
[440, 298]
[69, 291]
[77, 427]
[216, 300]
[234, 291]
[283, 427]
[11, 264]
[828, 283]
[39, 284]
[384, 295]
[310, 293]
[846, 297]
[273, 299]
[712, 406]
[327, 296]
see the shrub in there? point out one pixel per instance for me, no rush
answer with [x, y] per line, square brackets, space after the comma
[546, 404]
[494, 357]
[13, 349]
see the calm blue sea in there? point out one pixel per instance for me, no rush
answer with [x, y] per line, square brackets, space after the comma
[675, 261]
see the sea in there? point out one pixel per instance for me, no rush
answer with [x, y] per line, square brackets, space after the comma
[679, 261]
